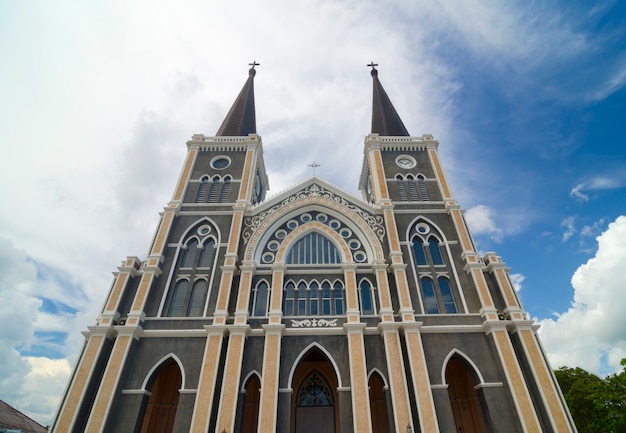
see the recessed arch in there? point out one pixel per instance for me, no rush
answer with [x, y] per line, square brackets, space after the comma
[159, 365]
[380, 373]
[247, 378]
[215, 233]
[467, 360]
[314, 226]
[303, 353]
[355, 221]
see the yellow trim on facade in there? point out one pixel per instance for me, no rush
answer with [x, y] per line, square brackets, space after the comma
[164, 229]
[421, 382]
[184, 176]
[269, 388]
[230, 389]
[79, 384]
[116, 292]
[206, 384]
[546, 385]
[434, 159]
[358, 379]
[525, 409]
[247, 170]
[108, 384]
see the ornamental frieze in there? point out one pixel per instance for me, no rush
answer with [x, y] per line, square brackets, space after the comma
[314, 323]
[255, 227]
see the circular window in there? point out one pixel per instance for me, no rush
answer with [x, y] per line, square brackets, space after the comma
[292, 224]
[204, 230]
[273, 245]
[405, 161]
[422, 228]
[345, 232]
[322, 217]
[268, 258]
[220, 162]
[280, 234]
[306, 217]
[360, 256]
[354, 244]
[334, 224]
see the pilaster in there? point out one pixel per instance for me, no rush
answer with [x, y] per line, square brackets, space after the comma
[361, 413]
[268, 406]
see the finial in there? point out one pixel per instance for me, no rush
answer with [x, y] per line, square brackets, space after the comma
[252, 71]
[314, 165]
[373, 66]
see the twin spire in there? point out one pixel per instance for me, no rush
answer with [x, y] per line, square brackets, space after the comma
[241, 119]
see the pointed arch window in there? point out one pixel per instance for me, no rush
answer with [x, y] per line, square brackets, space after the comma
[436, 288]
[203, 190]
[422, 187]
[213, 189]
[366, 298]
[225, 190]
[207, 254]
[259, 299]
[189, 256]
[315, 392]
[412, 188]
[189, 291]
[313, 249]
[313, 299]
[435, 252]
[401, 188]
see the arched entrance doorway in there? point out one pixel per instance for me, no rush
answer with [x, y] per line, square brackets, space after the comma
[466, 406]
[378, 406]
[314, 406]
[250, 416]
[162, 404]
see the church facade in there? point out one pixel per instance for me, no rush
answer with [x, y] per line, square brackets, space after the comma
[312, 311]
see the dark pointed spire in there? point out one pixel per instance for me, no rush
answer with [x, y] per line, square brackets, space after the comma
[385, 119]
[241, 119]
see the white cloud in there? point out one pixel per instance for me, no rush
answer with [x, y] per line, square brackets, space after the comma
[570, 227]
[480, 220]
[594, 327]
[517, 280]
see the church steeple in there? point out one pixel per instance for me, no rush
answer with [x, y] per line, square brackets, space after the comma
[241, 119]
[385, 119]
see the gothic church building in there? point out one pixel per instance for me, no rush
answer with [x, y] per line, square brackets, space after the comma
[313, 311]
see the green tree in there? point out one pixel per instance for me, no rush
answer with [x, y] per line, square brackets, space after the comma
[597, 405]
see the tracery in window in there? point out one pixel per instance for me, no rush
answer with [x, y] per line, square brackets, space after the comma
[313, 249]
[432, 271]
[189, 287]
[313, 299]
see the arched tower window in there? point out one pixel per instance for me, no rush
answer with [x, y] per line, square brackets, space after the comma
[412, 188]
[401, 187]
[215, 182]
[225, 190]
[422, 187]
[313, 249]
[203, 190]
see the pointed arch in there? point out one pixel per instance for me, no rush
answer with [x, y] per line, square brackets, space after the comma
[367, 298]
[468, 407]
[368, 232]
[304, 352]
[164, 382]
[159, 364]
[251, 387]
[467, 360]
[379, 410]
[247, 378]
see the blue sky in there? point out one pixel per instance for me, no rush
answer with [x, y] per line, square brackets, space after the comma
[97, 100]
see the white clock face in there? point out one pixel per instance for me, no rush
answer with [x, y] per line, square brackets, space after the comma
[405, 161]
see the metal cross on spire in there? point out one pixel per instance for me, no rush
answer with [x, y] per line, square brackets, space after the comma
[314, 165]
[253, 64]
[373, 65]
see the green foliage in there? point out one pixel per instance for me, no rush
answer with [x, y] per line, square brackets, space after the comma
[597, 405]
